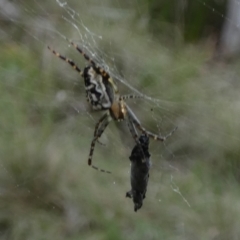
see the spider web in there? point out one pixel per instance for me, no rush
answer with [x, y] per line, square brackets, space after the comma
[49, 127]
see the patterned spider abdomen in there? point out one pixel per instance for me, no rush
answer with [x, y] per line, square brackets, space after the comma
[99, 91]
[140, 166]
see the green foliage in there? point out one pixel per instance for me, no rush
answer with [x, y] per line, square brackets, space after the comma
[194, 20]
[47, 191]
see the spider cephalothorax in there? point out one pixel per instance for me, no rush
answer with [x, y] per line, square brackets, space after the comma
[102, 94]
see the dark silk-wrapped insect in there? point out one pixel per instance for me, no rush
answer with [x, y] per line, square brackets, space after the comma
[140, 166]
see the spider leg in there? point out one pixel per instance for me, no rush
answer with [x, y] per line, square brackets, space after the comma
[97, 126]
[101, 70]
[137, 123]
[74, 66]
[131, 96]
[135, 136]
[102, 144]
[83, 53]
[99, 129]
[97, 68]
[133, 130]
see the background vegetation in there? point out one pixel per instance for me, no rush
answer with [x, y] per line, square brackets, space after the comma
[47, 191]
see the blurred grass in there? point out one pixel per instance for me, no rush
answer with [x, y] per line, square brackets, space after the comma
[47, 191]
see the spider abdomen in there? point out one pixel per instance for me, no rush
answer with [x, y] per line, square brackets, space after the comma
[97, 91]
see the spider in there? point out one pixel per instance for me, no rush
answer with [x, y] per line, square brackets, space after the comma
[102, 93]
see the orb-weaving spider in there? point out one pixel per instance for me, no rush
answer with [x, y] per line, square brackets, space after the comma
[102, 93]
